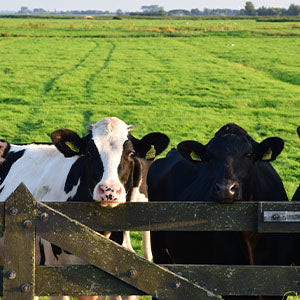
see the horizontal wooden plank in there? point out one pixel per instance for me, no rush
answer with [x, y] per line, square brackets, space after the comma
[176, 216]
[180, 216]
[243, 280]
[79, 281]
[222, 280]
[169, 216]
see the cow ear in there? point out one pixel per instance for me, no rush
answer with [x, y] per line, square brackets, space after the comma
[150, 145]
[192, 151]
[298, 131]
[67, 142]
[4, 148]
[268, 149]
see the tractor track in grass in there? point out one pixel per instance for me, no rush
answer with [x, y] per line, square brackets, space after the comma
[30, 121]
[48, 86]
[88, 84]
[246, 66]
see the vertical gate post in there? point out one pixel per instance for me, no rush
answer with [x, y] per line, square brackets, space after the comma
[19, 246]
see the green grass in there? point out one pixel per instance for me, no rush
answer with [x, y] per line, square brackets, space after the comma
[129, 27]
[185, 78]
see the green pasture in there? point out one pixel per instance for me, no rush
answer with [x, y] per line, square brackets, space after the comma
[185, 78]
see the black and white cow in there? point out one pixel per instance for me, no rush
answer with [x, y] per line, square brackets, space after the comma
[108, 165]
[231, 167]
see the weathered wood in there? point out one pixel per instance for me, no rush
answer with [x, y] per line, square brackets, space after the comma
[114, 259]
[243, 280]
[170, 216]
[222, 280]
[19, 246]
[175, 216]
[180, 216]
[79, 280]
[127, 272]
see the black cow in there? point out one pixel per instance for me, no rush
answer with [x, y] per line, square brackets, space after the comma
[108, 165]
[296, 196]
[231, 167]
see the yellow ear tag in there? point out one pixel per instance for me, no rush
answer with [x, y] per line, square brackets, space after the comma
[151, 153]
[195, 156]
[72, 146]
[267, 155]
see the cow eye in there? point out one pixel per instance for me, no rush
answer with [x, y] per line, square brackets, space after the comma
[249, 155]
[131, 154]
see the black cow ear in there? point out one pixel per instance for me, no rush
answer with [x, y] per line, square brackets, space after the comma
[67, 142]
[4, 148]
[268, 149]
[298, 131]
[150, 145]
[192, 151]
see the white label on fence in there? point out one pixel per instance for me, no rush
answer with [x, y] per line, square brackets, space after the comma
[281, 216]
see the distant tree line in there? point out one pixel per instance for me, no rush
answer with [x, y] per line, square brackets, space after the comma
[25, 10]
[156, 10]
[248, 10]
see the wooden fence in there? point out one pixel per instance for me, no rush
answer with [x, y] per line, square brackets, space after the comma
[114, 270]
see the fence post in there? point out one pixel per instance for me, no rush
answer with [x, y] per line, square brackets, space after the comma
[19, 246]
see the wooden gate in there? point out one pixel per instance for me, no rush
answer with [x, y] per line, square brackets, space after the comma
[114, 270]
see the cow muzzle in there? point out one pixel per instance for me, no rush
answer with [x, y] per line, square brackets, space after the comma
[226, 191]
[109, 194]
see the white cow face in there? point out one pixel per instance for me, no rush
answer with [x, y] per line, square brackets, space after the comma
[110, 156]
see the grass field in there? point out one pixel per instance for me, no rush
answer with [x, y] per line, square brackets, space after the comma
[185, 78]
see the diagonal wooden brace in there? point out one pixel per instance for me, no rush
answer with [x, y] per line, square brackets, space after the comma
[19, 246]
[112, 258]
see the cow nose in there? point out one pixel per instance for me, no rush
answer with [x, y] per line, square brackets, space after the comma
[109, 192]
[230, 188]
[226, 191]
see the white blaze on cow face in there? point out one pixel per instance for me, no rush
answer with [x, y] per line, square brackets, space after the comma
[109, 136]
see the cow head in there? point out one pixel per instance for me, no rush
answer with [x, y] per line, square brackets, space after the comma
[111, 156]
[230, 158]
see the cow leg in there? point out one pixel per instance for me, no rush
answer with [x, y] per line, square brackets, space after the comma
[126, 241]
[147, 245]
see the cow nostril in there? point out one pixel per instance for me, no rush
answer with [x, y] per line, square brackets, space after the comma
[233, 188]
[218, 187]
[119, 191]
[101, 190]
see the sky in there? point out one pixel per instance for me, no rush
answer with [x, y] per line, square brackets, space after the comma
[135, 5]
